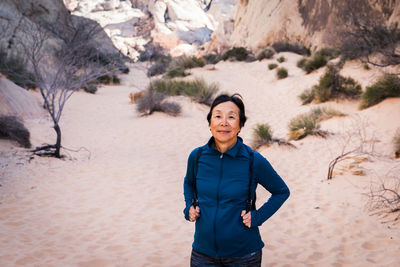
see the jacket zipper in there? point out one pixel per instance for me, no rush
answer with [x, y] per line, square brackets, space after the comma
[216, 212]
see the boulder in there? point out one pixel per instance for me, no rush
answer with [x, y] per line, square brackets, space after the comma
[16, 101]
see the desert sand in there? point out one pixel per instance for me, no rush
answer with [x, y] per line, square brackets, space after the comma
[118, 201]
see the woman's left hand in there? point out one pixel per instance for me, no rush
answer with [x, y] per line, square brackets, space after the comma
[246, 218]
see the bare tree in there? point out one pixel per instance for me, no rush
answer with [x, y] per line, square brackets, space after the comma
[384, 197]
[366, 36]
[355, 142]
[73, 63]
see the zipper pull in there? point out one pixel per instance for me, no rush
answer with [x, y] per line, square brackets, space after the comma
[222, 155]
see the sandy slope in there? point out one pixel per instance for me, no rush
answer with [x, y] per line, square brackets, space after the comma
[121, 204]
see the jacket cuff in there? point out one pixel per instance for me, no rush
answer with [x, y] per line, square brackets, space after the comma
[186, 212]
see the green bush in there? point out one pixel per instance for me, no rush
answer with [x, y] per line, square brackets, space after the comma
[212, 58]
[301, 62]
[237, 53]
[331, 86]
[160, 66]
[307, 96]
[316, 62]
[176, 72]
[308, 123]
[186, 62]
[266, 53]
[198, 89]
[281, 73]
[387, 86]
[272, 66]
[90, 88]
[12, 127]
[291, 47]
[281, 59]
[262, 135]
[366, 66]
[153, 101]
[329, 53]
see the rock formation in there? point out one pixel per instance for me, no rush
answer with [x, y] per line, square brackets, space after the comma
[16, 101]
[315, 23]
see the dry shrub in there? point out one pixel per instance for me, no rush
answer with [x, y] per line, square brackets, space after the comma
[272, 66]
[12, 127]
[281, 59]
[134, 97]
[153, 101]
[291, 47]
[236, 53]
[262, 135]
[308, 123]
[265, 53]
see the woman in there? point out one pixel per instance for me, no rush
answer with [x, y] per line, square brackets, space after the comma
[220, 182]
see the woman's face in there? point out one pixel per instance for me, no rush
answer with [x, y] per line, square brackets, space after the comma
[225, 123]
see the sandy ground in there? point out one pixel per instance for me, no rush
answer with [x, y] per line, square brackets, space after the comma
[119, 200]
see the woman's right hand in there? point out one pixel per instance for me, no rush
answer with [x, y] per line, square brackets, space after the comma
[194, 213]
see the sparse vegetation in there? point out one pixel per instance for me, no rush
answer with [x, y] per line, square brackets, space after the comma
[387, 86]
[198, 89]
[160, 66]
[266, 53]
[291, 47]
[366, 66]
[262, 135]
[176, 72]
[12, 127]
[281, 59]
[212, 58]
[318, 60]
[308, 123]
[153, 101]
[281, 73]
[90, 88]
[272, 66]
[396, 142]
[237, 53]
[331, 86]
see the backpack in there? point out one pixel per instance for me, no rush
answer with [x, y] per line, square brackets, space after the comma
[250, 204]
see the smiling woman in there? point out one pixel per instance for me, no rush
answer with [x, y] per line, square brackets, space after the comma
[219, 189]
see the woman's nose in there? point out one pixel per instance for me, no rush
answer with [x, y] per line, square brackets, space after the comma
[224, 121]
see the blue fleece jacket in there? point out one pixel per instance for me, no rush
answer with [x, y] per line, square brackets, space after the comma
[222, 187]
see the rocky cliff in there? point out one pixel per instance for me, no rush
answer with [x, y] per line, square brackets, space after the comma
[315, 23]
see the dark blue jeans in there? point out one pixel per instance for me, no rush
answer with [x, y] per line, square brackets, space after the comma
[201, 260]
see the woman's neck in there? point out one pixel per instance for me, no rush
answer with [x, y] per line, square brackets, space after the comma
[223, 147]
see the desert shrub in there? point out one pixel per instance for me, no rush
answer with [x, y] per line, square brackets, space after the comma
[152, 101]
[212, 58]
[366, 66]
[316, 62]
[186, 62]
[198, 89]
[281, 59]
[328, 53]
[160, 66]
[272, 66]
[387, 86]
[176, 72]
[12, 127]
[291, 47]
[237, 53]
[281, 73]
[262, 134]
[307, 96]
[265, 53]
[108, 79]
[301, 62]
[396, 142]
[332, 86]
[90, 88]
[14, 68]
[308, 123]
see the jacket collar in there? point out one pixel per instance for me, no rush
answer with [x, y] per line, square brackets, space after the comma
[231, 152]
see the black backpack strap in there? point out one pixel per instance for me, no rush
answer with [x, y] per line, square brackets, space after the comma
[251, 202]
[195, 200]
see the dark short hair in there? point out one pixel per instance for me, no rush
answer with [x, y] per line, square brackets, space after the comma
[236, 99]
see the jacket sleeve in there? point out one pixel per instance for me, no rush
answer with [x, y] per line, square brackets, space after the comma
[188, 182]
[271, 181]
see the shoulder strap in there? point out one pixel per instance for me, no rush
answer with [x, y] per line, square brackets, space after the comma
[251, 202]
[195, 199]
